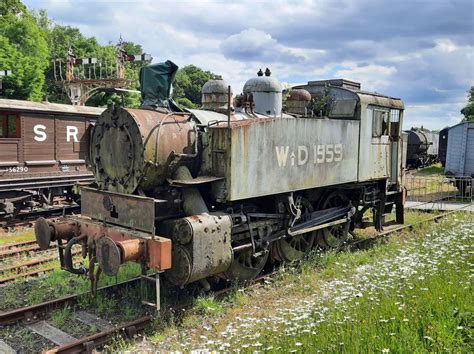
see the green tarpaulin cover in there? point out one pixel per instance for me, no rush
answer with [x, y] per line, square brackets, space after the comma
[155, 83]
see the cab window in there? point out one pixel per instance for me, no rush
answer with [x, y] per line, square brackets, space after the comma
[9, 125]
[379, 123]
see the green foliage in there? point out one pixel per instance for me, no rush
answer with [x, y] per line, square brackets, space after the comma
[322, 103]
[187, 85]
[436, 169]
[29, 41]
[23, 50]
[59, 316]
[208, 304]
[468, 111]
[185, 102]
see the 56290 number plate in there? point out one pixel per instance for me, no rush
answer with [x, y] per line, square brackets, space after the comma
[18, 169]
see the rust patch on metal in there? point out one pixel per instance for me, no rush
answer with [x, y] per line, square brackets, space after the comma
[159, 253]
[131, 211]
[243, 122]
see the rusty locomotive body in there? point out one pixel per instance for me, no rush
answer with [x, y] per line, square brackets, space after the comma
[43, 147]
[218, 193]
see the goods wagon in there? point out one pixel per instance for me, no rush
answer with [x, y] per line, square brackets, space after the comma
[460, 156]
[215, 194]
[433, 139]
[43, 148]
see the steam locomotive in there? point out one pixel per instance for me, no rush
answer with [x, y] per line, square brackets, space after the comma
[216, 193]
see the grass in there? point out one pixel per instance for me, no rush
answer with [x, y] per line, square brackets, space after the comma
[7, 238]
[208, 304]
[435, 314]
[55, 284]
[59, 316]
[411, 293]
[436, 169]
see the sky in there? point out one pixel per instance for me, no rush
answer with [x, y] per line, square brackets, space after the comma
[420, 51]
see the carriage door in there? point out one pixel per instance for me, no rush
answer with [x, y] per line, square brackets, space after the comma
[396, 145]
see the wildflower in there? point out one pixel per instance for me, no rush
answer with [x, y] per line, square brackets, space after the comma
[385, 350]
[298, 344]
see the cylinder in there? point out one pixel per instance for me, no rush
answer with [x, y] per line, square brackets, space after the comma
[133, 148]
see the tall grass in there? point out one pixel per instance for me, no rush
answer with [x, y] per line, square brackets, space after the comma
[435, 314]
[410, 294]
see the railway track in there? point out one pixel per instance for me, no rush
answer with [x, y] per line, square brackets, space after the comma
[16, 249]
[12, 269]
[29, 314]
[28, 218]
[15, 271]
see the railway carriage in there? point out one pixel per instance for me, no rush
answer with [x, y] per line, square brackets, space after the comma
[218, 193]
[43, 148]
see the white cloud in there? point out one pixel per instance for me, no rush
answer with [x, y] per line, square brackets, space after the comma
[421, 52]
[446, 45]
[373, 77]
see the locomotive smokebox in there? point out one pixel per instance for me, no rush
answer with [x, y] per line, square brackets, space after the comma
[133, 148]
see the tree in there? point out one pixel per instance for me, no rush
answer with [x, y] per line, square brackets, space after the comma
[188, 84]
[23, 50]
[468, 111]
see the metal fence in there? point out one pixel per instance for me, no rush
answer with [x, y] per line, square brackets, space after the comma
[439, 189]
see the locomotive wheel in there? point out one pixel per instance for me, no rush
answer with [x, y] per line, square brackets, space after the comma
[334, 236]
[245, 266]
[294, 248]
